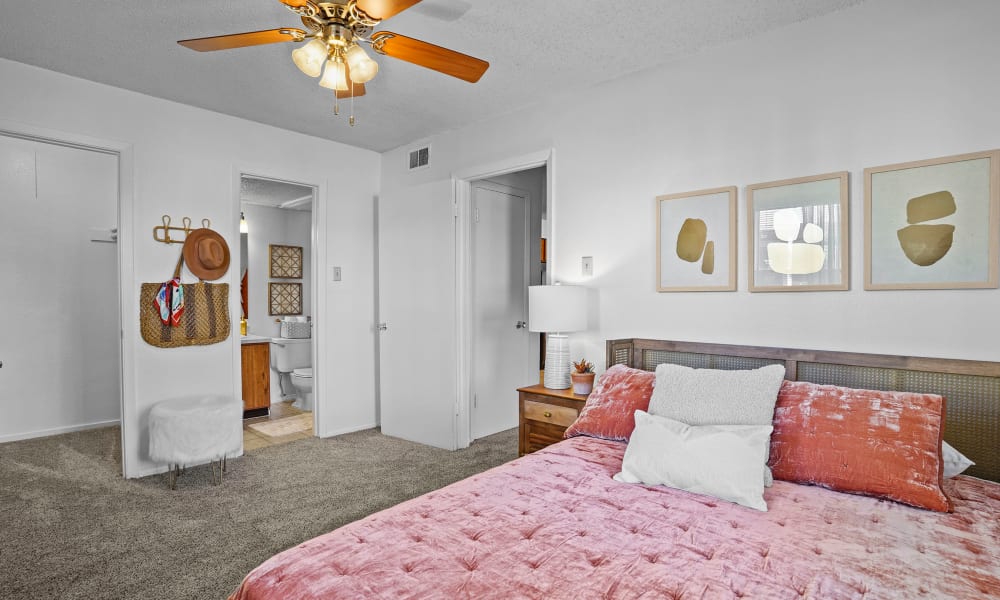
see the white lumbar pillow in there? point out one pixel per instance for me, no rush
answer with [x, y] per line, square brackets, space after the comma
[954, 461]
[724, 461]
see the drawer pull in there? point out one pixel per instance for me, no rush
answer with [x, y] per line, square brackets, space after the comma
[547, 414]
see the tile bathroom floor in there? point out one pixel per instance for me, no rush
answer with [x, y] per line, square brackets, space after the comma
[253, 439]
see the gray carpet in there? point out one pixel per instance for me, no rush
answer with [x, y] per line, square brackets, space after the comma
[71, 527]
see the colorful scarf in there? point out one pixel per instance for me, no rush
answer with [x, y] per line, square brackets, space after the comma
[169, 302]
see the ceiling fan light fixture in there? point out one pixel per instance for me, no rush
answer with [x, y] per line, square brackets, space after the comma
[309, 58]
[363, 68]
[335, 77]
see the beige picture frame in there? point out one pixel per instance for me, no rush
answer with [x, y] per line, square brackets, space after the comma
[798, 234]
[284, 298]
[912, 213]
[285, 262]
[696, 241]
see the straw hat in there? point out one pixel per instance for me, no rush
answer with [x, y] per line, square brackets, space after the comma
[206, 254]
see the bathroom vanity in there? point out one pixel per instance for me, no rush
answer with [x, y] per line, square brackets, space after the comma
[256, 363]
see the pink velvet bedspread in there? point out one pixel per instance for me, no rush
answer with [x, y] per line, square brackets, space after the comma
[555, 525]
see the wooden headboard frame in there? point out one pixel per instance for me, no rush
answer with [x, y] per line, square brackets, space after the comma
[971, 388]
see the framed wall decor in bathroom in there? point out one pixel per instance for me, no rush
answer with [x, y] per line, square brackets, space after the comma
[797, 232]
[933, 224]
[285, 261]
[284, 298]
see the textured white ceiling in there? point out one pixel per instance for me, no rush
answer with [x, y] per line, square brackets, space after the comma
[536, 49]
[268, 192]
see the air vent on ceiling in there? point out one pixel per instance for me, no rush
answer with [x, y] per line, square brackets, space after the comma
[420, 158]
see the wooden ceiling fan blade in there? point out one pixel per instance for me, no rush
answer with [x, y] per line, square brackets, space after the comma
[383, 9]
[359, 90]
[294, 3]
[443, 60]
[241, 40]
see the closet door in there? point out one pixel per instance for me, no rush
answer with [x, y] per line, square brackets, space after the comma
[59, 320]
[417, 339]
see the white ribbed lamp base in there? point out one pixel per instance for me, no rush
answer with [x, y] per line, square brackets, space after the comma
[556, 375]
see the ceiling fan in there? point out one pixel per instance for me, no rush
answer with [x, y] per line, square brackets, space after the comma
[334, 30]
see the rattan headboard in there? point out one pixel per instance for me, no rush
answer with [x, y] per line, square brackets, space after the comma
[972, 388]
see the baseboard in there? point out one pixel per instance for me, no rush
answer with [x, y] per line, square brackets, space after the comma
[160, 469]
[349, 430]
[14, 437]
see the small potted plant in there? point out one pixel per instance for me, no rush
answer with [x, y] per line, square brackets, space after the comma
[583, 377]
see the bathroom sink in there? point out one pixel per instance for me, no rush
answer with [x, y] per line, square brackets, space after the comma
[253, 339]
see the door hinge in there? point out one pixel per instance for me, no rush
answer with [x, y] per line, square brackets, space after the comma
[454, 209]
[475, 401]
[477, 215]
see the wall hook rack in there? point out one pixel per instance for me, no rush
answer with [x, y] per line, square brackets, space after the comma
[161, 233]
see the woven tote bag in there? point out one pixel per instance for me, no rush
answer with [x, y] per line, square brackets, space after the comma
[205, 319]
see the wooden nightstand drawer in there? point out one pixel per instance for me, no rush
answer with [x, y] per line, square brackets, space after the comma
[544, 416]
[549, 413]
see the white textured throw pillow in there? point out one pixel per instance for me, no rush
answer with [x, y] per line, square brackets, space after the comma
[718, 397]
[954, 461]
[724, 461]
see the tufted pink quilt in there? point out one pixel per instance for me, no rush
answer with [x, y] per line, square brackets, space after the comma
[555, 525]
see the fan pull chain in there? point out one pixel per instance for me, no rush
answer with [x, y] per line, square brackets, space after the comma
[336, 103]
[351, 120]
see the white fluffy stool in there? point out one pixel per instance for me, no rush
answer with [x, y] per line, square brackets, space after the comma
[188, 431]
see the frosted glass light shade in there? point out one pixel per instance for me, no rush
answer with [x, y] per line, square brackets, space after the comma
[334, 77]
[309, 58]
[557, 308]
[363, 68]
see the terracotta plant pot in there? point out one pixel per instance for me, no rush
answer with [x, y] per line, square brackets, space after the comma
[582, 383]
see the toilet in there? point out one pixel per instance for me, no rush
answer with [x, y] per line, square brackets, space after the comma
[302, 382]
[292, 359]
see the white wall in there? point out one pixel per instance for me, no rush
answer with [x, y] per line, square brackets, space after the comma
[885, 82]
[184, 164]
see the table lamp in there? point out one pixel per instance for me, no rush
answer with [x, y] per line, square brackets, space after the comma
[557, 310]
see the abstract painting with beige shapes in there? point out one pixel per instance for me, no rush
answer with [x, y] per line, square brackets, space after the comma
[696, 241]
[926, 244]
[693, 245]
[790, 257]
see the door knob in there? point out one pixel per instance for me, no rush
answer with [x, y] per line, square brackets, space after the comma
[520, 325]
[383, 326]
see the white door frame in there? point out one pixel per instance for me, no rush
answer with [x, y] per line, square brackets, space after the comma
[318, 295]
[462, 183]
[128, 303]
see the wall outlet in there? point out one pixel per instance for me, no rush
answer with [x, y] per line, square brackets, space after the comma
[336, 273]
[588, 266]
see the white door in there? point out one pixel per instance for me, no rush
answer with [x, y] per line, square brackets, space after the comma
[501, 357]
[60, 345]
[418, 344]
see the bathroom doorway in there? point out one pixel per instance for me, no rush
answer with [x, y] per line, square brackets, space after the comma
[276, 303]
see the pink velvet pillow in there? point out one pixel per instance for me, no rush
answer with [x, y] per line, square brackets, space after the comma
[610, 409]
[883, 444]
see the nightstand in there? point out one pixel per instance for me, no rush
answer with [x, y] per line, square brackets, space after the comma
[544, 415]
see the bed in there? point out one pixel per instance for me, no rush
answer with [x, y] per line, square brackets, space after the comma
[555, 524]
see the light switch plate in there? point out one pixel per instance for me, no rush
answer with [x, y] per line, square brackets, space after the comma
[336, 273]
[588, 266]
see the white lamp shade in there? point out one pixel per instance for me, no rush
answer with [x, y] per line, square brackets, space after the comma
[363, 68]
[557, 308]
[309, 58]
[334, 77]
